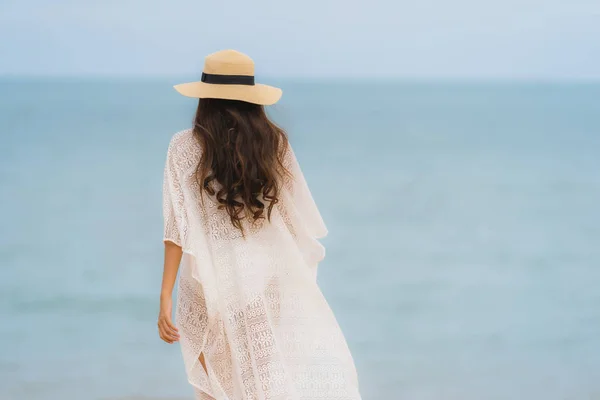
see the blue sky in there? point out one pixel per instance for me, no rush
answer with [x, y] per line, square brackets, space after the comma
[537, 39]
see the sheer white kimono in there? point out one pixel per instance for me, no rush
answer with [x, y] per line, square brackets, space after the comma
[251, 305]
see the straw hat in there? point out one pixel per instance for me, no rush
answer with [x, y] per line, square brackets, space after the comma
[229, 74]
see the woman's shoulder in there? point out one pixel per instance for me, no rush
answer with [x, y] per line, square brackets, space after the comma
[184, 147]
[181, 140]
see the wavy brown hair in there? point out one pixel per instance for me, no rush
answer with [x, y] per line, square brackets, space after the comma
[242, 158]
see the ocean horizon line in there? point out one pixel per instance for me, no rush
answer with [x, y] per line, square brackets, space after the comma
[361, 80]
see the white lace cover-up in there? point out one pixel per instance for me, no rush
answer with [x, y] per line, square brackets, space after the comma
[251, 305]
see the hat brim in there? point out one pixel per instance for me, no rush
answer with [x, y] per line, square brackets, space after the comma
[257, 94]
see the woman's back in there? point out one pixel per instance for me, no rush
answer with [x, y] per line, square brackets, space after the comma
[182, 177]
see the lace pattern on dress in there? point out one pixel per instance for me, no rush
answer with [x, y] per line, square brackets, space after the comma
[252, 305]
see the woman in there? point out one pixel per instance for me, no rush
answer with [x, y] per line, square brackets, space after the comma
[251, 319]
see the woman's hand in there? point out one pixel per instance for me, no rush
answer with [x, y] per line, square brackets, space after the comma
[166, 329]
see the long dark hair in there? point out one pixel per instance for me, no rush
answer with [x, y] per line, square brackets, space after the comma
[242, 158]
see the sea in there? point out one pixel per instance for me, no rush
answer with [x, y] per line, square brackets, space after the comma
[463, 256]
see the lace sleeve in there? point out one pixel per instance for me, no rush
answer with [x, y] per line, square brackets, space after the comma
[173, 210]
[301, 198]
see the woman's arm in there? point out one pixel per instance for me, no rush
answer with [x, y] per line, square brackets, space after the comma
[167, 330]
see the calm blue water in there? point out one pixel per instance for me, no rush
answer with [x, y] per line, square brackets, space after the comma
[463, 257]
